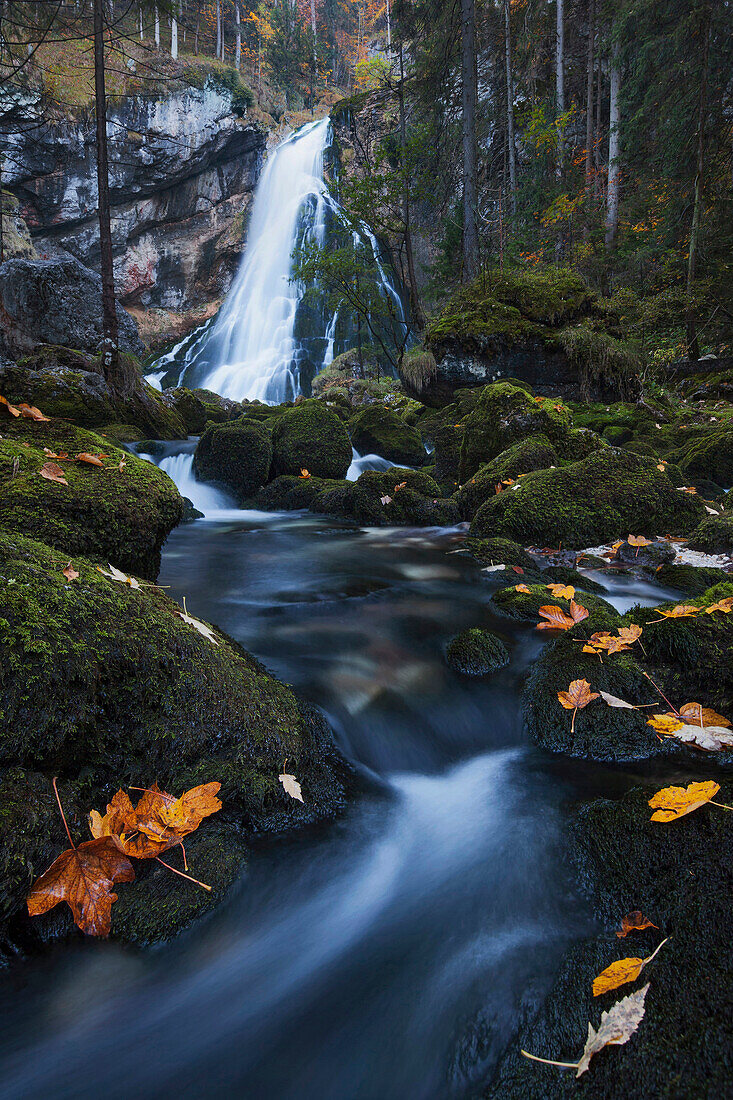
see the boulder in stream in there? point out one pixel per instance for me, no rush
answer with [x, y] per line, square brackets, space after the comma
[236, 455]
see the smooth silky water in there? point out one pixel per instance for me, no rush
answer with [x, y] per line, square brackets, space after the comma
[391, 953]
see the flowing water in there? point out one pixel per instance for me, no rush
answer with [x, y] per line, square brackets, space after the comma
[268, 341]
[385, 956]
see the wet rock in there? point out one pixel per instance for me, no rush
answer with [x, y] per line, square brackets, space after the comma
[56, 302]
[286, 493]
[586, 503]
[310, 436]
[647, 557]
[122, 516]
[375, 429]
[418, 503]
[691, 579]
[476, 652]
[714, 535]
[236, 455]
[533, 453]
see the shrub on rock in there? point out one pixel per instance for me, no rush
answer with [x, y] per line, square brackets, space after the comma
[375, 429]
[309, 436]
[236, 455]
[601, 498]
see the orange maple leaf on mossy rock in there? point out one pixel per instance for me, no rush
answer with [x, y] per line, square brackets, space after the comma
[83, 877]
[557, 619]
[158, 822]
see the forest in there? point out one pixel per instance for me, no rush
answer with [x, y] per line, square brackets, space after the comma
[366, 539]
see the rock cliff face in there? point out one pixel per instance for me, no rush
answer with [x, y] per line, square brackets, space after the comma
[182, 172]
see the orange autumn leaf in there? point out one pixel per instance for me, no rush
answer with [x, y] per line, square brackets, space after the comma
[518, 569]
[673, 802]
[725, 605]
[53, 472]
[402, 485]
[521, 588]
[681, 611]
[83, 877]
[30, 412]
[304, 474]
[91, 460]
[557, 619]
[561, 591]
[638, 541]
[70, 573]
[52, 454]
[696, 714]
[577, 697]
[604, 640]
[11, 408]
[158, 822]
[630, 634]
[621, 972]
[665, 723]
[634, 922]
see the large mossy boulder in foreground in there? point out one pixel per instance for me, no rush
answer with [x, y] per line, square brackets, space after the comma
[533, 453]
[679, 875]
[107, 686]
[601, 498]
[502, 416]
[310, 437]
[377, 430]
[120, 514]
[236, 455]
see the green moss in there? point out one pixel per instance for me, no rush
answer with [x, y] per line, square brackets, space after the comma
[709, 458]
[310, 436]
[476, 652]
[526, 605]
[581, 442]
[714, 535]
[533, 453]
[121, 516]
[601, 360]
[418, 503]
[418, 368]
[690, 579]
[601, 498]
[236, 455]
[377, 430]
[122, 433]
[287, 493]
[501, 552]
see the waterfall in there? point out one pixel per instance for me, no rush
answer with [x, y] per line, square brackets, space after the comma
[266, 343]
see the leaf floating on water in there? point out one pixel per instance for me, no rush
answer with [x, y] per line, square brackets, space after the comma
[634, 922]
[291, 786]
[673, 802]
[117, 575]
[197, 624]
[53, 472]
[621, 972]
[83, 877]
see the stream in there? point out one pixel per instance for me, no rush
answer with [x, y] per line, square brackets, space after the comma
[388, 955]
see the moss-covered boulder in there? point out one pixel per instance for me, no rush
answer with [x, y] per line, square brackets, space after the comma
[581, 442]
[375, 429]
[714, 535]
[120, 514]
[309, 436]
[709, 458]
[502, 416]
[69, 384]
[107, 686]
[218, 409]
[286, 494]
[501, 552]
[533, 453]
[601, 498]
[189, 407]
[236, 455]
[526, 605]
[690, 579]
[476, 652]
[399, 497]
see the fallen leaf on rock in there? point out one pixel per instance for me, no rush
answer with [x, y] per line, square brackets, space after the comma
[91, 460]
[681, 611]
[70, 573]
[614, 701]
[116, 574]
[687, 489]
[197, 624]
[158, 822]
[291, 786]
[673, 802]
[698, 715]
[604, 640]
[634, 922]
[576, 698]
[53, 472]
[638, 541]
[493, 568]
[725, 605]
[629, 634]
[662, 466]
[304, 475]
[402, 485]
[52, 454]
[710, 738]
[518, 569]
[521, 588]
[665, 723]
[558, 619]
[562, 591]
[83, 877]
[30, 412]
[11, 408]
[621, 972]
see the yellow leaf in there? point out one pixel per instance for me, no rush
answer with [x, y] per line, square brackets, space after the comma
[621, 972]
[562, 591]
[665, 723]
[673, 802]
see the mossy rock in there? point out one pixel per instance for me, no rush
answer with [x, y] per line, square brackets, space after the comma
[503, 415]
[581, 442]
[476, 652]
[526, 605]
[122, 433]
[601, 498]
[563, 574]
[189, 406]
[690, 579]
[501, 552]
[615, 435]
[377, 430]
[310, 437]
[286, 494]
[419, 503]
[533, 453]
[122, 516]
[639, 447]
[714, 535]
[107, 686]
[335, 499]
[218, 409]
[236, 455]
[709, 458]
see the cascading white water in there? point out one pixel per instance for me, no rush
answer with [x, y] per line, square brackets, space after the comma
[252, 349]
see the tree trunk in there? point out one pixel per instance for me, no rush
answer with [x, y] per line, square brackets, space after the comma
[174, 36]
[415, 305]
[218, 29]
[238, 44]
[614, 136]
[693, 346]
[560, 81]
[470, 173]
[157, 25]
[589, 95]
[598, 187]
[110, 356]
[510, 106]
[140, 20]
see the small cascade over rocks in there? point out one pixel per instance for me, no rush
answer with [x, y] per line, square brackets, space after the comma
[267, 342]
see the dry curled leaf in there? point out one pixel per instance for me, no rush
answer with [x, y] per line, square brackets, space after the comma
[53, 472]
[30, 412]
[304, 474]
[562, 591]
[385, 499]
[11, 408]
[90, 459]
[695, 714]
[673, 802]
[116, 574]
[83, 877]
[681, 611]
[402, 485]
[557, 619]
[291, 786]
[70, 573]
[52, 454]
[202, 628]
[616, 1027]
[621, 972]
[725, 605]
[634, 922]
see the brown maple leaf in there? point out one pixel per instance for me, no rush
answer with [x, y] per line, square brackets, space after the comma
[53, 472]
[158, 822]
[696, 714]
[577, 696]
[634, 922]
[83, 877]
[557, 619]
[11, 408]
[91, 460]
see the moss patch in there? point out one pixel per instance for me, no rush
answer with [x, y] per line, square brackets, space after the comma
[377, 430]
[236, 455]
[533, 453]
[476, 652]
[309, 436]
